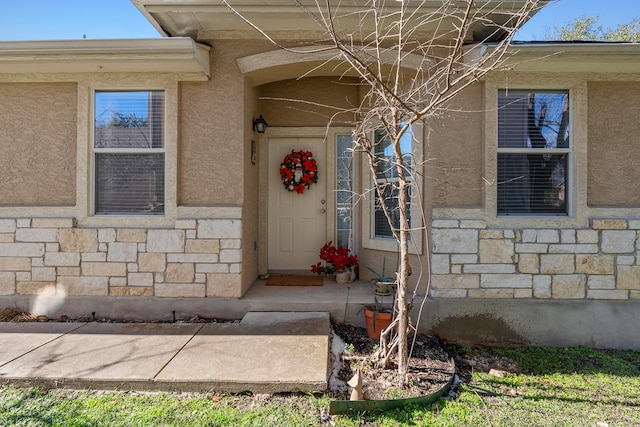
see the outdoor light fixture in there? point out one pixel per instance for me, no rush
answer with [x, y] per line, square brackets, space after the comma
[260, 124]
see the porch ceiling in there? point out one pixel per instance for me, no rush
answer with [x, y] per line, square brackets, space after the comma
[176, 55]
[206, 19]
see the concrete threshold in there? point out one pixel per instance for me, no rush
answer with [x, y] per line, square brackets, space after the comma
[266, 352]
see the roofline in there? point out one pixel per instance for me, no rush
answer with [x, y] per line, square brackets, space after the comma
[105, 55]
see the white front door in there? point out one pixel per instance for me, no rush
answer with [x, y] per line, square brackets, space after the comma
[297, 223]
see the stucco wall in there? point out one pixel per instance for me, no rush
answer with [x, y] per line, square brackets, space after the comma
[309, 102]
[613, 148]
[454, 150]
[38, 144]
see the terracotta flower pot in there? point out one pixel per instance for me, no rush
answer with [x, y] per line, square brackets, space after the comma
[382, 320]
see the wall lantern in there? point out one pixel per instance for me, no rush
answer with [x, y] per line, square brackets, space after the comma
[260, 124]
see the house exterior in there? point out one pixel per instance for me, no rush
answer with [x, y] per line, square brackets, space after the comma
[133, 175]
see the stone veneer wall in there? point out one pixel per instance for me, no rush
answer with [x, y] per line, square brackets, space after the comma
[49, 256]
[601, 262]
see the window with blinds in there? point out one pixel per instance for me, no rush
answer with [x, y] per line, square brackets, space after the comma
[387, 179]
[129, 152]
[533, 161]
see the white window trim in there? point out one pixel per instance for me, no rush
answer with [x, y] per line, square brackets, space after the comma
[390, 244]
[86, 189]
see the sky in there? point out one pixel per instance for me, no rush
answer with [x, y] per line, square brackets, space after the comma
[100, 19]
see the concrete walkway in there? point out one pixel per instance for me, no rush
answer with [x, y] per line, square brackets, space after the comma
[265, 352]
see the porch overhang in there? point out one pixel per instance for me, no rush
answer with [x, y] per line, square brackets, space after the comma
[176, 55]
[314, 61]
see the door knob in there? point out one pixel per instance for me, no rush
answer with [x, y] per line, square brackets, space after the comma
[323, 211]
[322, 201]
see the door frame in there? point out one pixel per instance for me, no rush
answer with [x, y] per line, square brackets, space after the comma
[329, 137]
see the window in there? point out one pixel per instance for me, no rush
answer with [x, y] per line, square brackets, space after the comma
[129, 152]
[387, 178]
[533, 152]
[344, 191]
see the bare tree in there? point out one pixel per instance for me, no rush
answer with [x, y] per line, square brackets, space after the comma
[411, 57]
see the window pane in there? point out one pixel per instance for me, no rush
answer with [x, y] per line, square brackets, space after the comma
[130, 184]
[129, 120]
[344, 191]
[381, 227]
[532, 183]
[531, 180]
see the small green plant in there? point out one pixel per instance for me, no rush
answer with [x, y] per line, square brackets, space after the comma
[383, 284]
[349, 348]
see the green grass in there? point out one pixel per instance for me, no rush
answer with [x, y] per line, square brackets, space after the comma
[554, 387]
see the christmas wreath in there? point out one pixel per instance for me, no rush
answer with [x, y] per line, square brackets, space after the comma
[298, 170]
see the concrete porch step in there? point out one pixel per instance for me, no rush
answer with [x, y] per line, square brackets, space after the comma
[266, 352]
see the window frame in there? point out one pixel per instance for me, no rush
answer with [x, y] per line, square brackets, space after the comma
[527, 151]
[369, 240]
[94, 152]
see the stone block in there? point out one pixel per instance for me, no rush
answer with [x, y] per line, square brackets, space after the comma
[440, 264]
[617, 242]
[455, 281]
[235, 268]
[106, 235]
[122, 252]
[557, 264]
[62, 259]
[52, 247]
[23, 276]
[628, 277]
[489, 268]
[532, 248]
[542, 287]
[130, 292]
[152, 262]
[68, 271]
[506, 281]
[180, 290]
[455, 241]
[7, 226]
[568, 236]
[6, 238]
[595, 264]
[523, 293]
[15, 264]
[192, 258]
[445, 223]
[490, 293]
[220, 229]
[601, 282]
[529, 263]
[230, 244]
[634, 294]
[547, 236]
[84, 285]
[180, 273]
[108, 269]
[22, 249]
[36, 235]
[130, 235]
[609, 224]
[496, 251]
[140, 279]
[587, 236]
[36, 288]
[473, 223]
[52, 223]
[570, 286]
[212, 268]
[448, 293]
[491, 234]
[464, 259]
[601, 294]
[117, 281]
[573, 249]
[78, 240]
[93, 257]
[224, 285]
[7, 283]
[23, 222]
[43, 274]
[165, 241]
[230, 255]
[208, 246]
[529, 236]
[625, 260]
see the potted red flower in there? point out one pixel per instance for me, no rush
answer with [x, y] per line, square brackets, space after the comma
[338, 261]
